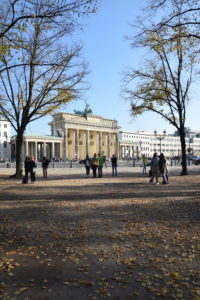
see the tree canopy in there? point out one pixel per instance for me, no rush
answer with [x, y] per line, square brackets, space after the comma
[162, 83]
[40, 65]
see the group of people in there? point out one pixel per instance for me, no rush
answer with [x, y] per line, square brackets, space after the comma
[96, 163]
[158, 167]
[30, 166]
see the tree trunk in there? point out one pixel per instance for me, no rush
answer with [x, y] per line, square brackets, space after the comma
[19, 144]
[183, 150]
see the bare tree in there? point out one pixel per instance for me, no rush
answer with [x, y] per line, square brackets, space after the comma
[16, 14]
[163, 83]
[43, 73]
[184, 14]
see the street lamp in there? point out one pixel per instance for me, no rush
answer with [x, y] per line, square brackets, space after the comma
[160, 137]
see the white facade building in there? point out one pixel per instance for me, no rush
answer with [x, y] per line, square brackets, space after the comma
[4, 140]
[135, 144]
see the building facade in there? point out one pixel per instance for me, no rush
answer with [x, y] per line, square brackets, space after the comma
[4, 140]
[75, 135]
[85, 135]
[39, 145]
[146, 143]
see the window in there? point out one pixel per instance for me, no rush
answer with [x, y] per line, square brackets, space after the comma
[5, 144]
[5, 126]
[5, 134]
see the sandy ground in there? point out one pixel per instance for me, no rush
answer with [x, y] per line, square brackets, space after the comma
[73, 237]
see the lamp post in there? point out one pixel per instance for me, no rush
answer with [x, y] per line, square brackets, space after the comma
[160, 137]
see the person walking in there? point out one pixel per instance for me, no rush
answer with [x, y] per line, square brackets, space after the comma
[94, 165]
[100, 165]
[154, 168]
[45, 164]
[87, 163]
[114, 165]
[29, 165]
[32, 166]
[163, 168]
[26, 169]
[144, 161]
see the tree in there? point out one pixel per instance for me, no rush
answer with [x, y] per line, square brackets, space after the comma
[42, 73]
[172, 43]
[177, 14]
[16, 16]
[163, 85]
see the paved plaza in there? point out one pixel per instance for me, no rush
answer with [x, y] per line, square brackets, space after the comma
[74, 237]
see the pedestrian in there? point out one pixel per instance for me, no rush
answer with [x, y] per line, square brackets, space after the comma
[94, 165]
[32, 166]
[26, 169]
[29, 166]
[101, 162]
[87, 163]
[163, 168]
[45, 164]
[114, 165]
[154, 168]
[144, 161]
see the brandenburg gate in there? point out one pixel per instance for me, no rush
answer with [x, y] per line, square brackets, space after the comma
[85, 134]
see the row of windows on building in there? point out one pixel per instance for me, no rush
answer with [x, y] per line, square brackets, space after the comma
[4, 134]
[4, 145]
[4, 125]
[152, 138]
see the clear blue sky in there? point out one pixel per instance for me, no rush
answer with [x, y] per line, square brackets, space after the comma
[109, 54]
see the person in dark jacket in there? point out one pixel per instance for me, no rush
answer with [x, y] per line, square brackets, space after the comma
[29, 166]
[33, 166]
[45, 164]
[94, 165]
[114, 165]
[87, 163]
[27, 169]
[154, 168]
[163, 168]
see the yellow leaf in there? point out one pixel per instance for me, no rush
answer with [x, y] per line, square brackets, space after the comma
[21, 290]
[175, 275]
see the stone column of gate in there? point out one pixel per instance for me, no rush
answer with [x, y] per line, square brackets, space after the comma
[108, 144]
[66, 143]
[26, 148]
[117, 150]
[60, 150]
[44, 149]
[77, 143]
[35, 148]
[53, 150]
[100, 142]
[87, 142]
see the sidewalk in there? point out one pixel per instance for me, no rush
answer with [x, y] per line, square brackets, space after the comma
[72, 237]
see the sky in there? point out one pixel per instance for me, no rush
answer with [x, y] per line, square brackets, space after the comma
[109, 54]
